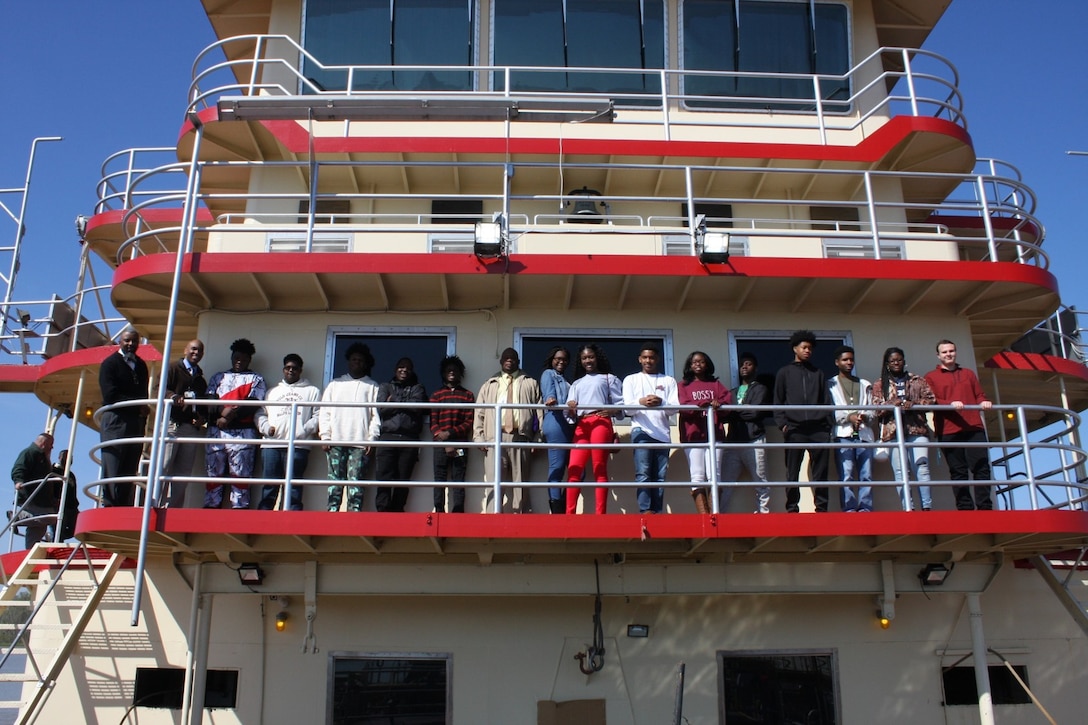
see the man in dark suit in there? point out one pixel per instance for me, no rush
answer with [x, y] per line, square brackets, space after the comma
[122, 376]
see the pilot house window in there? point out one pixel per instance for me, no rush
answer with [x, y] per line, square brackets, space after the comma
[388, 33]
[770, 38]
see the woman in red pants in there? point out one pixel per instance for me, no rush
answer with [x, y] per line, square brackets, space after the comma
[594, 386]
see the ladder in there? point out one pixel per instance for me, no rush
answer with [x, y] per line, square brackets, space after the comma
[1066, 587]
[71, 569]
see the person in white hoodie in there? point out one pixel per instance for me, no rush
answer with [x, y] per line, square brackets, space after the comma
[274, 424]
[852, 426]
[343, 426]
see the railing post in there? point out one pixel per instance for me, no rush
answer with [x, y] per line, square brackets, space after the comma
[711, 464]
[905, 463]
[253, 72]
[289, 468]
[1025, 444]
[496, 465]
[987, 223]
[870, 204]
[820, 123]
[666, 112]
[909, 75]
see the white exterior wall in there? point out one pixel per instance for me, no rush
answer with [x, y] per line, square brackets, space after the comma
[509, 652]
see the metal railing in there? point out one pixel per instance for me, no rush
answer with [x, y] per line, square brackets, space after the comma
[927, 84]
[1041, 467]
[1005, 228]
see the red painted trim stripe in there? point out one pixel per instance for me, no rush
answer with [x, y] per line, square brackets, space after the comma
[631, 527]
[1037, 361]
[593, 265]
[870, 149]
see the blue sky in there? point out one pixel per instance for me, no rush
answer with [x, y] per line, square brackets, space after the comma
[108, 76]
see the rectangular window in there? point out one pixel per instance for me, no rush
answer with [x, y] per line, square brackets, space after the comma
[581, 34]
[621, 346]
[772, 350]
[425, 346]
[960, 688]
[835, 218]
[161, 687]
[387, 33]
[457, 211]
[390, 688]
[772, 39]
[326, 211]
[779, 687]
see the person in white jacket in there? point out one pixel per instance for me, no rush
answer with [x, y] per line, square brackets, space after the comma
[274, 424]
[342, 426]
[852, 426]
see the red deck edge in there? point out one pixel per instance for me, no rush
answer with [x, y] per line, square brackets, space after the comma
[585, 527]
[870, 149]
[1037, 361]
[563, 264]
[88, 357]
[159, 215]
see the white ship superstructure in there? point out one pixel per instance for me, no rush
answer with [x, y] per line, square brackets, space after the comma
[437, 178]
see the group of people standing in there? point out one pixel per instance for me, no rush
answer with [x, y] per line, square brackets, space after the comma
[800, 386]
[45, 497]
[351, 414]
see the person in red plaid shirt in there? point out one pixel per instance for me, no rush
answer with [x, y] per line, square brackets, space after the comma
[452, 426]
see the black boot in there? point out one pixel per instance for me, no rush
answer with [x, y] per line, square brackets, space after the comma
[557, 506]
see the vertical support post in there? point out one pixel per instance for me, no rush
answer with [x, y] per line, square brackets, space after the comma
[190, 641]
[78, 405]
[978, 651]
[200, 668]
[161, 419]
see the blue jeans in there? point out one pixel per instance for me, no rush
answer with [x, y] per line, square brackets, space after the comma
[557, 429]
[275, 466]
[854, 464]
[651, 465]
[918, 462]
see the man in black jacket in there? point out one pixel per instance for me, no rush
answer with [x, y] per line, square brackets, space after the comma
[185, 383]
[801, 384]
[122, 376]
[746, 426]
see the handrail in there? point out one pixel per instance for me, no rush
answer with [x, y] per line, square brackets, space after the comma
[1017, 238]
[260, 64]
[1050, 475]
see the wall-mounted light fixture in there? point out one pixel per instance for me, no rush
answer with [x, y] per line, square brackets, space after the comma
[251, 574]
[713, 246]
[490, 238]
[933, 575]
[638, 630]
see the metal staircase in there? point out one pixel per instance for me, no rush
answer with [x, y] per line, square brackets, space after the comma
[75, 577]
[1067, 587]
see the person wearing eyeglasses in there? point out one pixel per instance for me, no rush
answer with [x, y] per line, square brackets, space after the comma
[274, 424]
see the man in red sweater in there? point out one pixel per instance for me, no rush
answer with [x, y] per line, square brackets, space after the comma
[957, 386]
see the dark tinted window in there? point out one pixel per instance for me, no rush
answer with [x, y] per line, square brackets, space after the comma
[390, 690]
[779, 689]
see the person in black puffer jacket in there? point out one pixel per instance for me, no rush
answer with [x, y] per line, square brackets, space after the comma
[398, 424]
